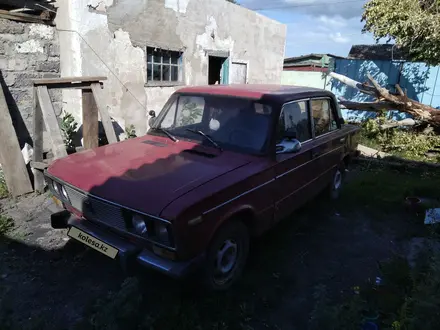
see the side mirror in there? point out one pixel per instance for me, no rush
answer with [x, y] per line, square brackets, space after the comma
[288, 146]
[151, 121]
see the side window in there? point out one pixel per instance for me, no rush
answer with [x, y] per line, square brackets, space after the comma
[294, 122]
[323, 117]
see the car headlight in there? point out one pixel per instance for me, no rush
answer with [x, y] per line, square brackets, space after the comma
[139, 224]
[64, 193]
[56, 187]
[161, 233]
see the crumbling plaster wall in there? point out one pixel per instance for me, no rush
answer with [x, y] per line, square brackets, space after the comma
[27, 51]
[113, 35]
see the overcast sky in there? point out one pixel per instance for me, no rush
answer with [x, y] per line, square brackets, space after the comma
[316, 26]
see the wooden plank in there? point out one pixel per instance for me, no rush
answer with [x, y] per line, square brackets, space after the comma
[39, 166]
[105, 116]
[20, 17]
[90, 120]
[38, 144]
[11, 158]
[51, 122]
[70, 80]
[35, 5]
[80, 85]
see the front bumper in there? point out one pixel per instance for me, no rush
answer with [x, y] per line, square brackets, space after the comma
[129, 253]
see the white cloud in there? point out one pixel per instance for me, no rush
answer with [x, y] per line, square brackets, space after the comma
[316, 26]
[323, 37]
[336, 22]
[339, 38]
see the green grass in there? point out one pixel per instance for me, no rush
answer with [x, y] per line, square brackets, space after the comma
[3, 188]
[6, 224]
[385, 189]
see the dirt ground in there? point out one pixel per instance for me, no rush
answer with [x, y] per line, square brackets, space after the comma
[50, 282]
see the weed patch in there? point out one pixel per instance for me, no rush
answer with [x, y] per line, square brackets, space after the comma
[6, 224]
[405, 299]
[3, 188]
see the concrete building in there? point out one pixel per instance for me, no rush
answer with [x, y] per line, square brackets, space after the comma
[148, 48]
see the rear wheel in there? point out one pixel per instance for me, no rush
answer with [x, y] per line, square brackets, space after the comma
[227, 256]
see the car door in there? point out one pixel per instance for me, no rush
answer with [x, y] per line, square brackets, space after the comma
[329, 141]
[293, 169]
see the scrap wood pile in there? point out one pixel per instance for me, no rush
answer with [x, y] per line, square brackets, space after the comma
[385, 100]
[29, 11]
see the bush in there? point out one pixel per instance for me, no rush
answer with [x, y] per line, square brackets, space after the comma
[401, 142]
[69, 127]
[130, 132]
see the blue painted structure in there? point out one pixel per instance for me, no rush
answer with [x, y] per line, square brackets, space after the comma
[421, 82]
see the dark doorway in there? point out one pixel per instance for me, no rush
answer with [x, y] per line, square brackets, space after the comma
[214, 69]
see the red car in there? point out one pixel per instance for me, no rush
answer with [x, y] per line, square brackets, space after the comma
[219, 165]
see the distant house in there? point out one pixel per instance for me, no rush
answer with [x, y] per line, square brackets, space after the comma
[310, 62]
[378, 52]
[307, 70]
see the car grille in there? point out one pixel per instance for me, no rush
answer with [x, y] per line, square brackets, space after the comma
[96, 210]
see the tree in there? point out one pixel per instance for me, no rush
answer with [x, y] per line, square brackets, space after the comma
[233, 1]
[413, 24]
[387, 101]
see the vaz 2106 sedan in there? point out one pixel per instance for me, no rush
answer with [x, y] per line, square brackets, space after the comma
[219, 165]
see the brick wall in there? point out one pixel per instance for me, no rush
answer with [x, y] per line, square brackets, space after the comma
[27, 51]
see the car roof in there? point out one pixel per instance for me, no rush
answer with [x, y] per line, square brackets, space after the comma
[257, 91]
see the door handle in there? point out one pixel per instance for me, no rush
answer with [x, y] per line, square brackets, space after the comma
[315, 154]
[342, 140]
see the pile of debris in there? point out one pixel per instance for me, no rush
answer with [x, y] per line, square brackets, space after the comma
[31, 11]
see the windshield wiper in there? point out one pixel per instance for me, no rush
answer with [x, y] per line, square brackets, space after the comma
[215, 144]
[171, 136]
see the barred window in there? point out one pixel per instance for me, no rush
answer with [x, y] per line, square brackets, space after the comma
[163, 65]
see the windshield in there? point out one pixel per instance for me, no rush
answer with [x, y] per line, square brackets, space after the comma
[229, 122]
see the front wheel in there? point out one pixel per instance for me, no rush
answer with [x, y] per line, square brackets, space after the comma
[337, 181]
[227, 256]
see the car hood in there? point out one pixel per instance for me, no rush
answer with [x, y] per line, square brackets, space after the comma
[145, 173]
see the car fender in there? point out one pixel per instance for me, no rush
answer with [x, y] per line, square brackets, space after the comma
[233, 214]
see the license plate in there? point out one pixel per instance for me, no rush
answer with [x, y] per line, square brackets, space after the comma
[93, 242]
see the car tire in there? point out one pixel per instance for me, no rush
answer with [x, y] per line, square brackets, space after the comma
[337, 182]
[226, 257]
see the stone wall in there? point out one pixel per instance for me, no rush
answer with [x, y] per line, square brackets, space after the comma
[27, 51]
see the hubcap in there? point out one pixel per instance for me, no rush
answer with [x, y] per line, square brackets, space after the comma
[337, 181]
[226, 260]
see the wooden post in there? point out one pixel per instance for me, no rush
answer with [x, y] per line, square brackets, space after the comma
[44, 114]
[51, 121]
[105, 117]
[38, 144]
[90, 120]
[11, 158]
